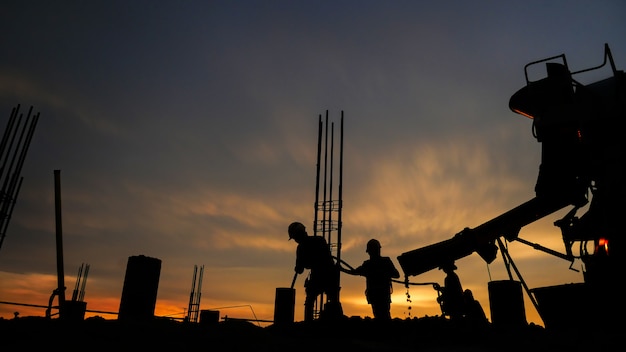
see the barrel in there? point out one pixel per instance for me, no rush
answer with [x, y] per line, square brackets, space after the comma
[284, 305]
[139, 292]
[507, 304]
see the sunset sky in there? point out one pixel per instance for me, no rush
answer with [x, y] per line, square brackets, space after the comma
[187, 131]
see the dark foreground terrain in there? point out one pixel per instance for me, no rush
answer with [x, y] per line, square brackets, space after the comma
[347, 334]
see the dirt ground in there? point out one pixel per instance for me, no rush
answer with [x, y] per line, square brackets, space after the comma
[347, 334]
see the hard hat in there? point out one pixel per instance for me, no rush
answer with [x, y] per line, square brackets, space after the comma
[295, 228]
[372, 244]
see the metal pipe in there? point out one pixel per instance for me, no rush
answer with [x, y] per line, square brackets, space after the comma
[59, 242]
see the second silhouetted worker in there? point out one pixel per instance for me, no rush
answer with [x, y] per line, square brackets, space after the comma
[378, 272]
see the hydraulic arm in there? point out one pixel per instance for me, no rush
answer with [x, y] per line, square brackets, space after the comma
[480, 239]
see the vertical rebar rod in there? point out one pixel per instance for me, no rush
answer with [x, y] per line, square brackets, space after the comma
[324, 191]
[77, 284]
[330, 207]
[198, 294]
[340, 196]
[81, 295]
[4, 192]
[324, 198]
[5, 136]
[6, 218]
[317, 187]
[9, 181]
[317, 176]
[192, 293]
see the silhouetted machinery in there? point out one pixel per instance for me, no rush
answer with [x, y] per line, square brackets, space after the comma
[583, 161]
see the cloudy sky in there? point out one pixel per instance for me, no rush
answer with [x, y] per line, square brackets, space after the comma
[187, 131]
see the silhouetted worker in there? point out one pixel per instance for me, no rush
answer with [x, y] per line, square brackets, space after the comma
[314, 253]
[473, 310]
[451, 298]
[378, 272]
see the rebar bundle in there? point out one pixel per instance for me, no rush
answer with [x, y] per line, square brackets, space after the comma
[195, 295]
[13, 148]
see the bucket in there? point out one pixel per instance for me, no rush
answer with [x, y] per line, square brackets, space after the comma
[506, 303]
[74, 310]
[284, 305]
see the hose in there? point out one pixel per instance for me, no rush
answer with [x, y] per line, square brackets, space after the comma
[406, 282]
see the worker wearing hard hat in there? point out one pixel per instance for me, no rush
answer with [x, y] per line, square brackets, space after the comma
[378, 272]
[313, 253]
[451, 298]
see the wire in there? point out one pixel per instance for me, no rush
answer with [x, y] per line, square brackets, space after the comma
[244, 305]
